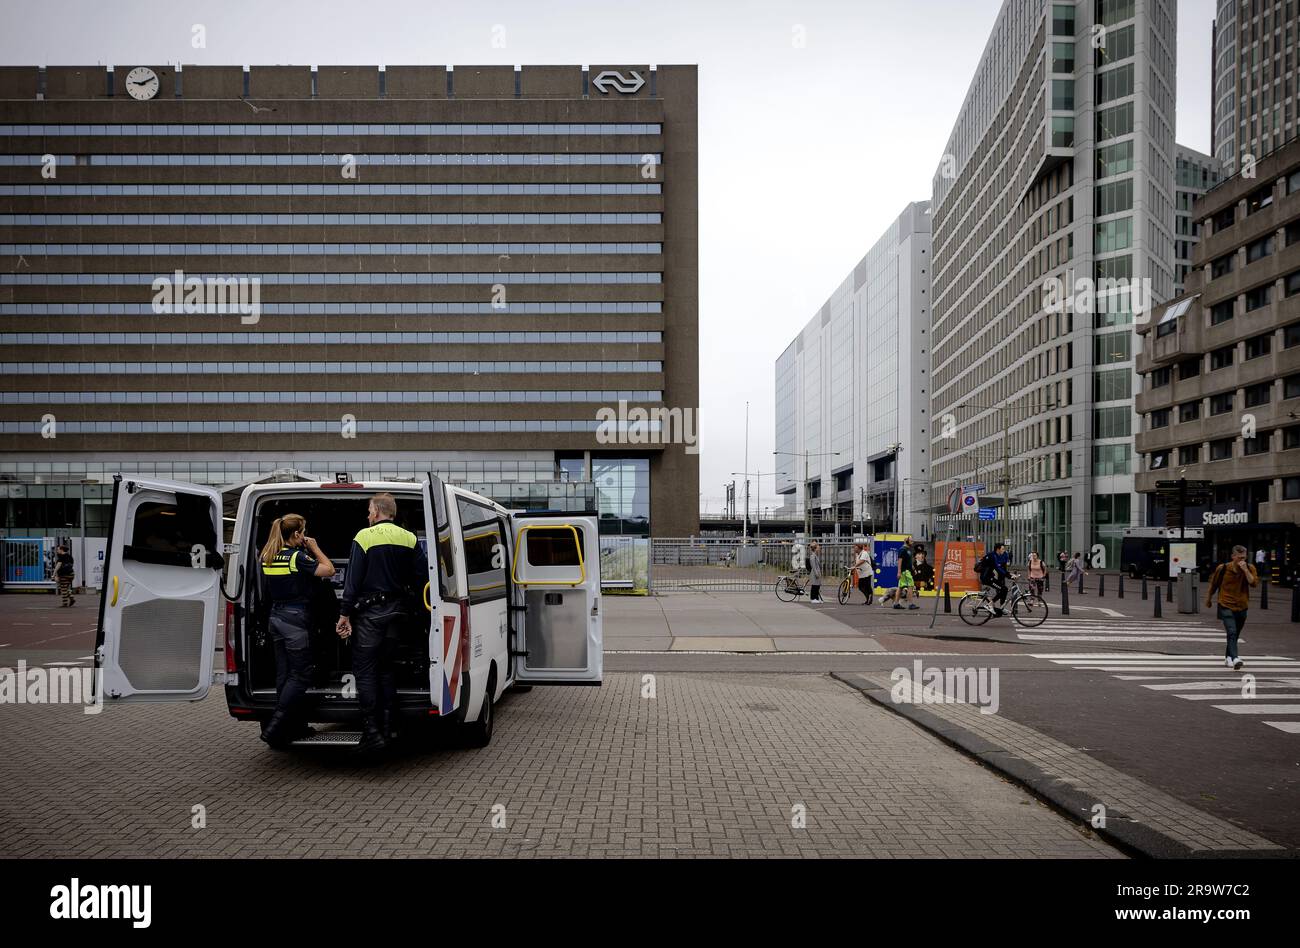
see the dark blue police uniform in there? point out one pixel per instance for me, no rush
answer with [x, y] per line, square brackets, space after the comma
[386, 568]
[290, 579]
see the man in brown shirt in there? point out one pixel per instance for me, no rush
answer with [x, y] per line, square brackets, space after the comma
[1233, 580]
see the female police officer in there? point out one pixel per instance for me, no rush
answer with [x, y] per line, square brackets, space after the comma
[290, 561]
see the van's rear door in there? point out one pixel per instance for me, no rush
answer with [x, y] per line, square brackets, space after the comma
[440, 599]
[162, 591]
[556, 578]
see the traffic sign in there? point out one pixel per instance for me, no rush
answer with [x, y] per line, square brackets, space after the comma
[988, 513]
[974, 488]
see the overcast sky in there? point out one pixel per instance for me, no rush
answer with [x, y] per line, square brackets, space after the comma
[807, 152]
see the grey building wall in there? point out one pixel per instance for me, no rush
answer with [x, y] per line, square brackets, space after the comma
[536, 179]
[854, 384]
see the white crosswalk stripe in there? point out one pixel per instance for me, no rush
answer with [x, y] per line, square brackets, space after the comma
[1258, 689]
[1124, 630]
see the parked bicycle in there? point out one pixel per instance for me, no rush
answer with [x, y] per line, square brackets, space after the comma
[791, 587]
[1027, 608]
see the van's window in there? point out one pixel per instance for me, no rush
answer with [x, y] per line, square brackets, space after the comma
[166, 533]
[551, 546]
[485, 551]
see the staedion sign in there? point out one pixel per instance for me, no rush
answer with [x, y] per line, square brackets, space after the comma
[1231, 515]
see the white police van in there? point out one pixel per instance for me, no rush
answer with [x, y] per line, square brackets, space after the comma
[512, 599]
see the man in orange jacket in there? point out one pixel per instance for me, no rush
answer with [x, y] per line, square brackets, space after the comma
[1232, 580]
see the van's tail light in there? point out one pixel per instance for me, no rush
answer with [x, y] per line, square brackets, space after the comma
[232, 632]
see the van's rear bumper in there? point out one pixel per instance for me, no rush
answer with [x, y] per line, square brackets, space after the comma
[326, 710]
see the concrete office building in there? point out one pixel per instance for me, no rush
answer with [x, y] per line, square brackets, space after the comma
[1220, 367]
[1057, 183]
[1255, 73]
[1195, 173]
[851, 391]
[457, 269]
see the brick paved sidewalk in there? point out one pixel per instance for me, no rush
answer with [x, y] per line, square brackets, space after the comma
[714, 765]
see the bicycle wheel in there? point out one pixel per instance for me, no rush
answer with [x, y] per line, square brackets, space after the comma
[974, 609]
[787, 588]
[846, 590]
[1030, 611]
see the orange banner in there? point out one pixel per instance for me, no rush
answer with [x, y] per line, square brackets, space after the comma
[959, 559]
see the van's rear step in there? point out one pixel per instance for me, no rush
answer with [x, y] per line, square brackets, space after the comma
[340, 738]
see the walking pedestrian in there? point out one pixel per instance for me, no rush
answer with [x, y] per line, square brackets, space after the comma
[1037, 573]
[864, 570]
[1075, 570]
[815, 572]
[906, 582]
[1232, 580]
[64, 571]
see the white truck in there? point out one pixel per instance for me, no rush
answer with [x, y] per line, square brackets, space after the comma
[512, 599]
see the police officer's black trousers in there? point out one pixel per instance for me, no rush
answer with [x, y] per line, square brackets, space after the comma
[294, 667]
[375, 634]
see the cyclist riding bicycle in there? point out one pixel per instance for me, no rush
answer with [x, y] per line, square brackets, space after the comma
[992, 571]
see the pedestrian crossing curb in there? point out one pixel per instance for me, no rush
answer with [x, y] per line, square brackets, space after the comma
[1127, 833]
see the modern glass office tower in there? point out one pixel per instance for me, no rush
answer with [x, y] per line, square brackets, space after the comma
[1058, 181]
[851, 391]
[1195, 173]
[456, 269]
[1255, 74]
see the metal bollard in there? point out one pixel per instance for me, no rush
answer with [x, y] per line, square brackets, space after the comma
[1169, 592]
[947, 602]
[1121, 585]
[1295, 604]
[1263, 594]
[1144, 589]
[1081, 582]
[1065, 599]
[1101, 584]
[1157, 613]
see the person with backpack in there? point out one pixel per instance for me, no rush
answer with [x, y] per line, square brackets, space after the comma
[1232, 580]
[64, 573]
[1075, 571]
[906, 581]
[992, 572]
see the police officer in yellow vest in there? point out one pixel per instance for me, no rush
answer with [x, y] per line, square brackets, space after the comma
[386, 570]
[290, 562]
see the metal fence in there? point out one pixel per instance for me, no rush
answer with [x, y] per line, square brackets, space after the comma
[732, 565]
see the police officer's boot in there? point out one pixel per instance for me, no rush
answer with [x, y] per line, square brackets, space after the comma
[373, 739]
[277, 731]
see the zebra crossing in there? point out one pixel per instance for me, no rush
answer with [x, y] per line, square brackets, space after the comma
[1268, 687]
[1121, 629]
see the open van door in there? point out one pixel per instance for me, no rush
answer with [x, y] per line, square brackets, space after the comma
[162, 592]
[440, 600]
[555, 574]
